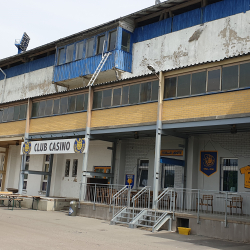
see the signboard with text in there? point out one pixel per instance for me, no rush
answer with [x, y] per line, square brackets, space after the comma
[130, 180]
[172, 152]
[64, 146]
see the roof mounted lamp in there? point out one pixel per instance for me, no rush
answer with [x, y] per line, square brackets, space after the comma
[22, 44]
[152, 69]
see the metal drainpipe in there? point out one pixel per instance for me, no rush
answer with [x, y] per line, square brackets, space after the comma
[4, 85]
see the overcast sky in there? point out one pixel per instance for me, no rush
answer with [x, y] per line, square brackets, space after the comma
[48, 20]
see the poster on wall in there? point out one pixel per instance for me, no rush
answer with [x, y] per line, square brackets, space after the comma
[130, 180]
[246, 172]
[208, 165]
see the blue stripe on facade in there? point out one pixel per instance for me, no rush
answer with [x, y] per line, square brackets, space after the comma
[29, 67]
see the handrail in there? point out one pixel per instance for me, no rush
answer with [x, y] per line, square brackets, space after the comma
[136, 196]
[120, 192]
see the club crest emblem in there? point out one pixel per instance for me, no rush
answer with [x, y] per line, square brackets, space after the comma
[79, 145]
[26, 148]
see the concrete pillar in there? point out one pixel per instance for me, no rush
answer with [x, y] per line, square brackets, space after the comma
[119, 173]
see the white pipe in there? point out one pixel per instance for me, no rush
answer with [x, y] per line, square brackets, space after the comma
[4, 84]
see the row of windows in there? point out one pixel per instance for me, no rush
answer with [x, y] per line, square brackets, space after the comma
[86, 48]
[218, 79]
[62, 105]
[132, 94]
[13, 113]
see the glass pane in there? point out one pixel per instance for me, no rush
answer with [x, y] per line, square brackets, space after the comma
[170, 87]
[69, 53]
[117, 96]
[230, 181]
[16, 112]
[86, 97]
[143, 177]
[25, 185]
[5, 114]
[169, 178]
[125, 95]
[145, 92]
[35, 107]
[61, 54]
[1, 116]
[23, 111]
[106, 98]
[112, 40]
[134, 93]
[79, 102]
[41, 109]
[230, 77]
[67, 165]
[213, 81]
[47, 157]
[125, 41]
[90, 47]
[79, 50]
[183, 87]
[97, 100]
[56, 106]
[100, 44]
[230, 162]
[63, 105]
[44, 186]
[10, 114]
[198, 84]
[74, 168]
[244, 75]
[71, 103]
[48, 109]
[154, 96]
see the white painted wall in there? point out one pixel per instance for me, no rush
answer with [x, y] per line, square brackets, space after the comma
[217, 39]
[31, 84]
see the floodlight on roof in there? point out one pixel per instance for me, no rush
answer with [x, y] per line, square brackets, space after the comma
[22, 44]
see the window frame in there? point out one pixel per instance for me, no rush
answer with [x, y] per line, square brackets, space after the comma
[87, 49]
[77, 48]
[44, 178]
[58, 56]
[73, 52]
[139, 172]
[109, 40]
[25, 176]
[98, 43]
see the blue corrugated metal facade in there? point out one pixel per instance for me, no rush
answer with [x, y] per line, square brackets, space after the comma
[224, 8]
[29, 66]
[191, 18]
[119, 59]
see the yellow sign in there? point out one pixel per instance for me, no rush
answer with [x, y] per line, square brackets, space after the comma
[172, 152]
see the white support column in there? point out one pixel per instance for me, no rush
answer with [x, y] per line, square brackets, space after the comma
[86, 153]
[156, 181]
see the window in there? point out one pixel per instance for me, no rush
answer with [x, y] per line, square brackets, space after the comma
[183, 85]
[168, 176]
[63, 105]
[25, 178]
[56, 106]
[23, 111]
[170, 87]
[41, 109]
[229, 175]
[90, 47]
[134, 94]
[230, 77]
[48, 109]
[112, 40]
[213, 80]
[97, 103]
[145, 94]
[106, 98]
[74, 168]
[10, 116]
[125, 41]
[5, 114]
[80, 102]
[143, 173]
[198, 83]
[16, 112]
[61, 55]
[79, 50]
[35, 107]
[105, 170]
[1, 116]
[69, 53]
[67, 166]
[244, 75]
[117, 97]
[45, 169]
[100, 41]
[71, 103]
[125, 95]
[155, 86]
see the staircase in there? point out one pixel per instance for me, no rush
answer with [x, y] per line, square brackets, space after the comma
[146, 218]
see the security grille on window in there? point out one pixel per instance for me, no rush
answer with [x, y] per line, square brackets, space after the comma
[74, 168]
[67, 166]
[143, 173]
[45, 169]
[229, 175]
[168, 174]
[25, 179]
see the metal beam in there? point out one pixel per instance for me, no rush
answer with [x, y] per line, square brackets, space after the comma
[123, 130]
[58, 135]
[35, 172]
[175, 134]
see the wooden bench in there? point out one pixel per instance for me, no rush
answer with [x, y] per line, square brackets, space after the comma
[4, 196]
